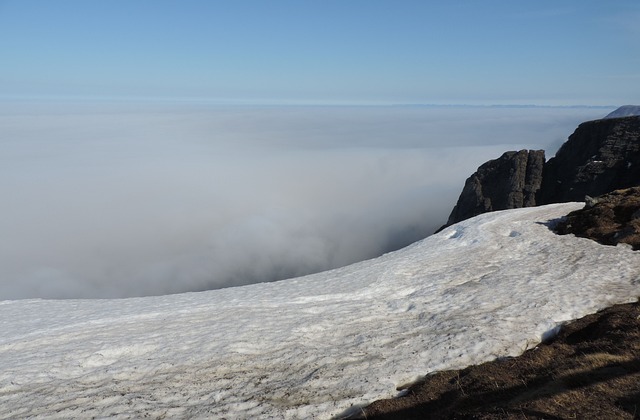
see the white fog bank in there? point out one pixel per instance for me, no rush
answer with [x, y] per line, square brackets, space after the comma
[119, 201]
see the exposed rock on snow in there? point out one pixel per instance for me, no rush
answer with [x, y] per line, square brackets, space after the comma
[610, 219]
[311, 347]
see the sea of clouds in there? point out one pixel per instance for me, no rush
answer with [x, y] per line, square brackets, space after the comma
[119, 200]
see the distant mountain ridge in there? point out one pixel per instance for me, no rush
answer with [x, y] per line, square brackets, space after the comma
[625, 111]
[599, 157]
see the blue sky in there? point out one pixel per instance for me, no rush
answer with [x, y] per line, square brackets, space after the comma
[331, 51]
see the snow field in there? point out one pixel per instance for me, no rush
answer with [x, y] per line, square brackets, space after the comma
[315, 346]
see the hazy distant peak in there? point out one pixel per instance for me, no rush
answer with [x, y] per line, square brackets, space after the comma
[625, 111]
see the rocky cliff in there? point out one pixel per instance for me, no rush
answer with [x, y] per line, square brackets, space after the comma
[509, 182]
[599, 157]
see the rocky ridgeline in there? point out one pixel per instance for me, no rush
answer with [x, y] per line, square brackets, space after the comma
[599, 157]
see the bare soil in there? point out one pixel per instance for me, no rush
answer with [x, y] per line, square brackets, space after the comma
[590, 370]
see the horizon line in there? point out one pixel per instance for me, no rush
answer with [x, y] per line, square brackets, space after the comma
[281, 103]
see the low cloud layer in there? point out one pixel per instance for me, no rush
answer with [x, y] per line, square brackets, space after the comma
[115, 201]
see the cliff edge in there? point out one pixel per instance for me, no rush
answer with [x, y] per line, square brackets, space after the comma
[599, 157]
[509, 182]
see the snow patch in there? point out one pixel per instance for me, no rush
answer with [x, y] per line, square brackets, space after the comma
[314, 346]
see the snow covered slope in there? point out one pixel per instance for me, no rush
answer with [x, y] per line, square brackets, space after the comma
[314, 346]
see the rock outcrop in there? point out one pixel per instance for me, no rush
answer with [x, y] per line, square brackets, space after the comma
[600, 156]
[509, 182]
[610, 219]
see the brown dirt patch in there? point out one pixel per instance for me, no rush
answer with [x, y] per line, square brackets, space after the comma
[609, 219]
[591, 370]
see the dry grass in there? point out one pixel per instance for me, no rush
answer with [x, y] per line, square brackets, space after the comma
[591, 370]
[612, 220]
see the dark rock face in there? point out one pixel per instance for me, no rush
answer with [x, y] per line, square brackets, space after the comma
[508, 182]
[599, 157]
[609, 219]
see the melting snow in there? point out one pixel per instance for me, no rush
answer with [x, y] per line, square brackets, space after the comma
[311, 347]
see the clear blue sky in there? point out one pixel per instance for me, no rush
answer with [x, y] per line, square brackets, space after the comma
[324, 51]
